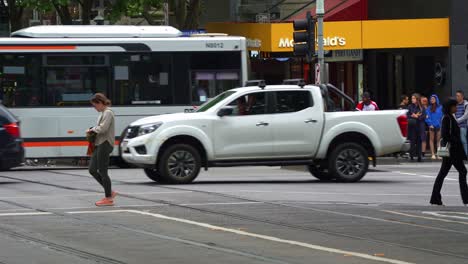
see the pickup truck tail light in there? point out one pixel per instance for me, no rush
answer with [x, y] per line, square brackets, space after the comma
[12, 129]
[403, 123]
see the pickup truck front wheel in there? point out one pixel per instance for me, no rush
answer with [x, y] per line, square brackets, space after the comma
[154, 175]
[348, 162]
[179, 164]
[319, 172]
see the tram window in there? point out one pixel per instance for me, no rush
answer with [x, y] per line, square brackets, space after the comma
[66, 60]
[142, 79]
[73, 86]
[213, 73]
[20, 80]
[208, 84]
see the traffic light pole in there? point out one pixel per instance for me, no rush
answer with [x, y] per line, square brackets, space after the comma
[320, 11]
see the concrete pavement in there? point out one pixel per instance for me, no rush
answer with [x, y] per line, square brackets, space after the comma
[248, 215]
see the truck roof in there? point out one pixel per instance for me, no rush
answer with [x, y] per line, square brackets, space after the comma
[275, 87]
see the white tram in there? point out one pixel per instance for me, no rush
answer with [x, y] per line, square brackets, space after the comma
[49, 73]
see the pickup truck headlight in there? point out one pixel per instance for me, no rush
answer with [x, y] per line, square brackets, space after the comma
[147, 129]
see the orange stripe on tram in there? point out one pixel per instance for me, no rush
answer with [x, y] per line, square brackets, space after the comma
[37, 47]
[59, 144]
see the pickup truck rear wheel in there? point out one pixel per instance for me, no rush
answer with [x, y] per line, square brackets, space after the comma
[348, 162]
[320, 172]
[154, 175]
[179, 164]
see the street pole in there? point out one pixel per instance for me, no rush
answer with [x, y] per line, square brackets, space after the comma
[320, 11]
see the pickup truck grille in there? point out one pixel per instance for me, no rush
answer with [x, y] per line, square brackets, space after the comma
[132, 132]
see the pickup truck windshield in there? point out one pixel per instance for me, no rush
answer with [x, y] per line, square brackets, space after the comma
[215, 101]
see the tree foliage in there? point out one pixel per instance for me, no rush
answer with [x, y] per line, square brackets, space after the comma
[136, 8]
[187, 13]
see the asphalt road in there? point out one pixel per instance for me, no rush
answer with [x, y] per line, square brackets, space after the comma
[234, 215]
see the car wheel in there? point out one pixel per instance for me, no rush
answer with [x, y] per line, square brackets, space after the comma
[348, 162]
[179, 164]
[320, 172]
[154, 175]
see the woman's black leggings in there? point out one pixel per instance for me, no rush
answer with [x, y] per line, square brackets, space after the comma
[444, 170]
[99, 165]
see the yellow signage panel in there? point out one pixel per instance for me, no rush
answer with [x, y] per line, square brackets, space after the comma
[345, 35]
[258, 34]
[337, 36]
[405, 33]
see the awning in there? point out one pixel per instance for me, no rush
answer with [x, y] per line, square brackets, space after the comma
[340, 10]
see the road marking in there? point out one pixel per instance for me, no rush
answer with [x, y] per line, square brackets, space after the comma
[254, 235]
[422, 175]
[26, 214]
[15, 210]
[115, 206]
[427, 218]
[335, 193]
[203, 204]
[87, 194]
[377, 219]
[444, 214]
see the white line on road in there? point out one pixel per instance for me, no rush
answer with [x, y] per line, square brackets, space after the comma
[375, 219]
[254, 235]
[86, 194]
[15, 210]
[447, 215]
[427, 218]
[422, 175]
[333, 193]
[26, 214]
[203, 204]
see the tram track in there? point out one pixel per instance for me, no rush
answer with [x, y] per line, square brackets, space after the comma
[102, 259]
[255, 219]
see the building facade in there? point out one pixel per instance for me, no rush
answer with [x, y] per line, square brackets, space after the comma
[386, 47]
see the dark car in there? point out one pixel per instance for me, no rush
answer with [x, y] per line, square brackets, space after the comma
[11, 144]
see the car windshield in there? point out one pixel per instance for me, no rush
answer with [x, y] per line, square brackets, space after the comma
[205, 107]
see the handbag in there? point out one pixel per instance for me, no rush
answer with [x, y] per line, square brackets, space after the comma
[444, 151]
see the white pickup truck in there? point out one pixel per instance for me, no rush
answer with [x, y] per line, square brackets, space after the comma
[277, 125]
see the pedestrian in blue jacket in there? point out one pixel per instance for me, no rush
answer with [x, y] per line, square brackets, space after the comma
[433, 120]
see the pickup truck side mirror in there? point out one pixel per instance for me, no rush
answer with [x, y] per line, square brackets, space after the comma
[225, 111]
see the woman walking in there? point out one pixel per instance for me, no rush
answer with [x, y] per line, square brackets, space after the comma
[104, 145]
[416, 126]
[451, 135]
[434, 117]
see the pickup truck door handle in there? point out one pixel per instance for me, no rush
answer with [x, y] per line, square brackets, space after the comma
[310, 121]
[262, 124]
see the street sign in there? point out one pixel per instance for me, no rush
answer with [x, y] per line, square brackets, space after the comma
[317, 73]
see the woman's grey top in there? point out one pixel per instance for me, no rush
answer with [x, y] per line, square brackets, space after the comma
[105, 128]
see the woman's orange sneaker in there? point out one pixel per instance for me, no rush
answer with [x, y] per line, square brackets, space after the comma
[114, 194]
[105, 202]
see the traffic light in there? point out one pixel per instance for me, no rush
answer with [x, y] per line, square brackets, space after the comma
[304, 37]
